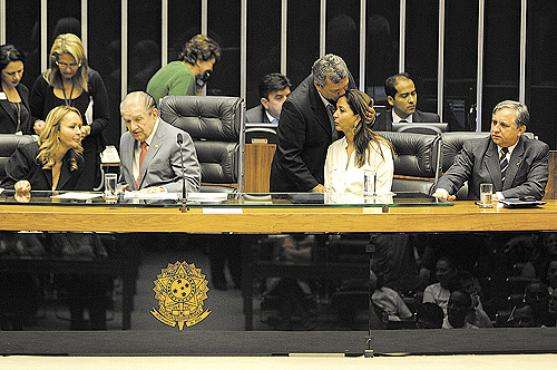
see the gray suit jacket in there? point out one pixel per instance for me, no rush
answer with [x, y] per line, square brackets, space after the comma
[385, 121]
[162, 166]
[256, 115]
[478, 163]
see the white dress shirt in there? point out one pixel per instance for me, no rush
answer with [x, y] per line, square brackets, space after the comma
[397, 118]
[343, 176]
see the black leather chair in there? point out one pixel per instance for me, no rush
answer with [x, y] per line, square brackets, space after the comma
[216, 125]
[8, 145]
[416, 161]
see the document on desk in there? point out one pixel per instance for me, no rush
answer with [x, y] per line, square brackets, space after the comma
[151, 196]
[77, 195]
[207, 197]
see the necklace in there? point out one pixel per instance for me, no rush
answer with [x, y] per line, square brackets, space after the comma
[67, 101]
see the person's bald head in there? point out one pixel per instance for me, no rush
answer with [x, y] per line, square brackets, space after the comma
[140, 98]
[139, 112]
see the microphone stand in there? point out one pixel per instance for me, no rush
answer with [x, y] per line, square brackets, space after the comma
[180, 142]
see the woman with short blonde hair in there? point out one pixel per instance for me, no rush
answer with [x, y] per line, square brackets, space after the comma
[69, 81]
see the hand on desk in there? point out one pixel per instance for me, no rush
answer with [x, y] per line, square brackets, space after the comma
[153, 189]
[22, 191]
[443, 195]
[319, 188]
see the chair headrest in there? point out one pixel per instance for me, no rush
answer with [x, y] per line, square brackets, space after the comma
[415, 154]
[215, 118]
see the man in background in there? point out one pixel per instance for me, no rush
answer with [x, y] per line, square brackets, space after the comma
[273, 91]
[402, 98]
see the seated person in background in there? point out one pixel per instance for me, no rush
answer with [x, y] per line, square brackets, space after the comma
[359, 150]
[515, 165]
[551, 277]
[470, 284]
[150, 156]
[429, 316]
[536, 295]
[273, 91]
[389, 301]
[15, 116]
[403, 100]
[459, 310]
[183, 77]
[439, 293]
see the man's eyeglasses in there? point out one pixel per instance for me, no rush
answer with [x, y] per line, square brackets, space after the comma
[68, 65]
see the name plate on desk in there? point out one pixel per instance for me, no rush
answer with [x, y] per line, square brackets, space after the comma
[222, 211]
[372, 210]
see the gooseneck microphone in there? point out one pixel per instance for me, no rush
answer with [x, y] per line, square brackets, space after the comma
[180, 142]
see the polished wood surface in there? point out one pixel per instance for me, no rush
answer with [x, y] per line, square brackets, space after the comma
[462, 216]
[257, 167]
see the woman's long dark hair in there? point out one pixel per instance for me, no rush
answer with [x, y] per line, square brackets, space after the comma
[360, 103]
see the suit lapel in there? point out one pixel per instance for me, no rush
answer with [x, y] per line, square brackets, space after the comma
[127, 155]
[65, 172]
[264, 117]
[492, 163]
[151, 152]
[5, 104]
[319, 110]
[514, 164]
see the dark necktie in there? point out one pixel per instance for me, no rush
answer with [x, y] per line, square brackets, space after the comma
[503, 163]
[330, 112]
[403, 121]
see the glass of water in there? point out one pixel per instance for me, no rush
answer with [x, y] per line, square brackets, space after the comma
[110, 184]
[370, 182]
[486, 195]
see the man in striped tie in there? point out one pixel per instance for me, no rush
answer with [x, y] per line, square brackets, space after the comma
[517, 166]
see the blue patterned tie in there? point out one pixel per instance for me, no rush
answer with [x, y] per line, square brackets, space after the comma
[503, 163]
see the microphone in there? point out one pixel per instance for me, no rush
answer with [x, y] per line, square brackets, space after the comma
[180, 142]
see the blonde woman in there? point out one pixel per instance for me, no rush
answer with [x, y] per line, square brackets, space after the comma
[55, 162]
[69, 81]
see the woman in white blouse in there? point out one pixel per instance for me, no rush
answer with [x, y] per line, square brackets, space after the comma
[360, 150]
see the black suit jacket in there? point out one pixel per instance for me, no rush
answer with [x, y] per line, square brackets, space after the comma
[478, 163]
[385, 121]
[256, 115]
[8, 121]
[304, 134]
[24, 165]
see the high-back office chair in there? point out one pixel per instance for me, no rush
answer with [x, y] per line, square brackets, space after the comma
[416, 161]
[415, 128]
[8, 145]
[216, 125]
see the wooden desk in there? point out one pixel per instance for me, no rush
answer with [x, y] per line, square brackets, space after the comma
[462, 216]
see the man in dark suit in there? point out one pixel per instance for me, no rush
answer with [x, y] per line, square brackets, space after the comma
[403, 100]
[273, 91]
[307, 129]
[515, 165]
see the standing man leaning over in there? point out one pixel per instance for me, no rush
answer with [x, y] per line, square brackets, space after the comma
[273, 91]
[513, 163]
[403, 100]
[150, 156]
[307, 128]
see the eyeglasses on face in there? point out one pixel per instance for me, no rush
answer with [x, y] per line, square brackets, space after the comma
[64, 65]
